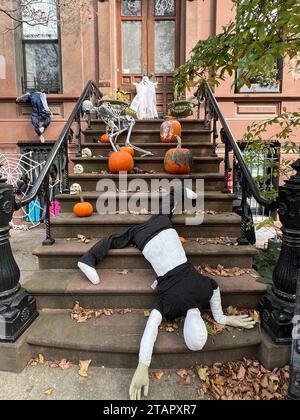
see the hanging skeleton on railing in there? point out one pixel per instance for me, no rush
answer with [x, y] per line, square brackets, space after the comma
[116, 124]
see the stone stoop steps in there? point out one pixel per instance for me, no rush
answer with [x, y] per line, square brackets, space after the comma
[114, 341]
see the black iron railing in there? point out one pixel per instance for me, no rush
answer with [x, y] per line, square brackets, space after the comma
[280, 308]
[17, 307]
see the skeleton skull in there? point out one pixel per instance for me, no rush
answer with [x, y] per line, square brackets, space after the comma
[75, 189]
[87, 106]
[86, 153]
[78, 169]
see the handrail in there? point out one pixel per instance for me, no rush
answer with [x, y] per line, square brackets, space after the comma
[62, 137]
[238, 154]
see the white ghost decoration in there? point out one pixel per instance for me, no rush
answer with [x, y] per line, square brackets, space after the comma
[144, 104]
[78, 169]
[86, 153]
[75, 189]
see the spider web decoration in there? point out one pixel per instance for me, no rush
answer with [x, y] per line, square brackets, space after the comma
[21, 171]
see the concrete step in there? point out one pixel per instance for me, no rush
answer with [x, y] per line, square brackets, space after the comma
[153, 124]
[215, 201]
[114, 342]
[150, 136]
[158, 149]
[88, 182]
[66, 225]
[60, 289]
[65, 254]
[201, 164]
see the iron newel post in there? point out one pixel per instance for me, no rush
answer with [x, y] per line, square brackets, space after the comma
[17, 307]
[278, 306]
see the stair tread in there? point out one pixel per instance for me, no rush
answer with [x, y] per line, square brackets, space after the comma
[137, 130]
[151, 144]
[192, 175]
[128, 219]
[147, 159]
[95, 194]
[136, 282]
[122, 334]
[75, 248]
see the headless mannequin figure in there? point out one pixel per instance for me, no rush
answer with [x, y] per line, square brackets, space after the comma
[182, 290]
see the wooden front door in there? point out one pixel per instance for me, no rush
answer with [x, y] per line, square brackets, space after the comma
[149, 44]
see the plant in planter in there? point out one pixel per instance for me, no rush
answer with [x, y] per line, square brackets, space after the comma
[181, 108]
[119, 101]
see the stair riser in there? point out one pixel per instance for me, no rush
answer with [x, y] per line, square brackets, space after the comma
[130, 301]
[213, 204]
[152, 137]
[202, 231]
[97, 166]
[197, 150]
[91, 185]
[153, 125]
[159, 361]
[134, 261]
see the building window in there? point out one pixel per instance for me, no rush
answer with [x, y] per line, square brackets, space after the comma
[41, 52]
[263, 85]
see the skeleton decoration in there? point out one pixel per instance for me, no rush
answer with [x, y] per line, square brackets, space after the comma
[75, 189]
[116, 124]
[86, 153]
[144, 104]
[78, 169]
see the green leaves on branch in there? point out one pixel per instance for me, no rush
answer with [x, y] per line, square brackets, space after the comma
[263, 33]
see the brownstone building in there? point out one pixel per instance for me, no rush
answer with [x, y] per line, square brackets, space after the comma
[119, 42]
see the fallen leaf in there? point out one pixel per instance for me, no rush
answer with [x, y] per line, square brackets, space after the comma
[84, 367]
[185, 381]
[124, 272]
[48, 392]
[182, 239]
[147, 314]
[41, 359]
[219, 380]
[182, 373]
[242, 373]
[203, 374]
[157, 374]
[64, 364]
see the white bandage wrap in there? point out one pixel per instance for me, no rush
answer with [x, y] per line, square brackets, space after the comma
[149, 337]
[216, 307]
[165, 252]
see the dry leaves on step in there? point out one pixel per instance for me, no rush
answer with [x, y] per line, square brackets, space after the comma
[213, 328]
[64, 364]
[222, 240]
[157, 374]
[169, 327]
[123, 273]
[244, 380]
[48, 392]
[185, 376]
[84, 239]
[226, 272]
[84, 367]
[147, 314]
[39, 361]
[82, 315]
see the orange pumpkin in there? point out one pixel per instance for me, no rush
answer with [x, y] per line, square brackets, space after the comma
[120, 162]
[128, 149]
[179, 160]
[83, 209]
[104, 138]
[169, 130]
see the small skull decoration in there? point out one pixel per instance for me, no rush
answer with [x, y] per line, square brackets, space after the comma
[78, 169]
[75, 189]
[86, 153]
[87, 106]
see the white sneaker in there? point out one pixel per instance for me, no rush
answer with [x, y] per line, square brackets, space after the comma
[42, 138]
[90, 273]
[42, 130]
